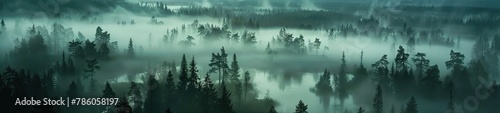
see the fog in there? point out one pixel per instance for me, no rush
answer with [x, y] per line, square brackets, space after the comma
[285, 51]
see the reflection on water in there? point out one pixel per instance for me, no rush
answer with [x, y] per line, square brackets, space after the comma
[288, 88]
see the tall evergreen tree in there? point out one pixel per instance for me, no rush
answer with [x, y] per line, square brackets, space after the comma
[72, 90]
[108, 92]
[341, 81]
[378, 104]
[381, 72]
[193, 86]
[135, 96]
[411, 106]
[301, 107]
[153, 101]
[209, 96]
[219, 63]
[224, 101]
[130, 50]
[235, 78]
[170, 90]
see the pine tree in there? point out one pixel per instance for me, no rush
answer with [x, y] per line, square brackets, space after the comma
[272, 110]
[219, 63]
[64, 66]
[421, 64]
[411, 106]
[130, 50]
[209, 96]
[224, 101]
[317, 44]
[360, 110]
[301, 107]
[378, 104]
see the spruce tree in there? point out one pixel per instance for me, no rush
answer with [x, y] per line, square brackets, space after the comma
[153, 101]
[378, 104]
[341, 81]
[108, 92]
[136, 97]
[411, 106]
[130, 50]
[224, 101]
[301, 107]
[72, 90]
[170, 87]
[193, 86]
[208, 96]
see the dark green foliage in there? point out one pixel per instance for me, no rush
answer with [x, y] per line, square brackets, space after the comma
[382, 72]
[403, 80]
[411, 106]
[224, 102]
[136, 97]
[91, 68]
[193, 88]
[170, 90]
[324, 86]
[130, 50]
[208, 96]
[341, 81]
[495, 43]
[421, 64]
[104, 51]
[90, 49]
[76, 49]
[153, 101]
[317, 44]
[235, 78]
[272, 110]
[219, 63]
[72, 90]
[108, 92]
[183, 77]
[430, 84]
[378, 104]
[301, 107]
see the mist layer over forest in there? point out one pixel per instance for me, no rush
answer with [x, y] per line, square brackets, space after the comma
[252, 56]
